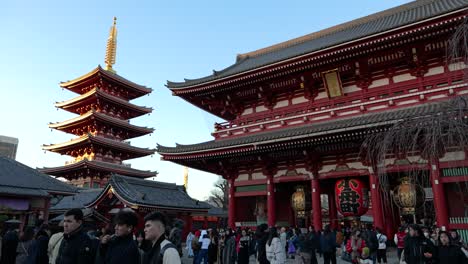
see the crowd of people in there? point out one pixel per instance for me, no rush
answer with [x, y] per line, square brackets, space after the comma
[161, 242]
[415, 244]
[76, 244]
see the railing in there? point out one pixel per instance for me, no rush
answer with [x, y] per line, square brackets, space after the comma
[453, 172]
[330, 107]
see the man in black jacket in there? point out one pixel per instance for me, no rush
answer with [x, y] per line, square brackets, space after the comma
[419, 249]
[76, 247]
[120, 248]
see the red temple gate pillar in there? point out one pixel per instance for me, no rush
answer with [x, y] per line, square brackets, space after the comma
[232, 205]
[316, 205]
[332, 213]
[271, 201]
[440, 202]
[376, 204]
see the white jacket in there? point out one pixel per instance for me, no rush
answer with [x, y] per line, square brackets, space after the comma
[54, 245]
[275, 252]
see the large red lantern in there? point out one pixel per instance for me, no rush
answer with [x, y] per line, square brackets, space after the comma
[352, 197]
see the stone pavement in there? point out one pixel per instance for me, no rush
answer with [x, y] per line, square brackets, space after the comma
[391, 257]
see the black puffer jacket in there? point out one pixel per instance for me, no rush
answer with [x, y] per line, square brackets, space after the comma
[76, 248]
[451, 254]
[415, 247]
[119, 250]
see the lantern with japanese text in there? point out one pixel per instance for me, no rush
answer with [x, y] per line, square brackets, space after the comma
[408, 196]
[352, 197]
[299, 203]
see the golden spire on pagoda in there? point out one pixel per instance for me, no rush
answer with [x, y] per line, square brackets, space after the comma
[186, 178]
[111, 47]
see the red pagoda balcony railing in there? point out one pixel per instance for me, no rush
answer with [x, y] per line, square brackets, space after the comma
[394, 95]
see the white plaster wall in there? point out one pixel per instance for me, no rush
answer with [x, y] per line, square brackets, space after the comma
[281, 103]
[457, 66]
[434, 71]
[356, 165]
[247, 111]
[321, 95]
[351, 88]
[452, 156]
[258, 176]
[327, 168]
[379, 82]
[403, 77]
[260, 108]
[280, 173]
[299, 100]
[242, 177]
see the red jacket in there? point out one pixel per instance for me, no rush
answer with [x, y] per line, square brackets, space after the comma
[401, 239]
[349, 249]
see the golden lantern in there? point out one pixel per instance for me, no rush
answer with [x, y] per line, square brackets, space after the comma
[408, 196]
[299, 201]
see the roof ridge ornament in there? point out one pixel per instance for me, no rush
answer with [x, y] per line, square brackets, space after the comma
[111, 47]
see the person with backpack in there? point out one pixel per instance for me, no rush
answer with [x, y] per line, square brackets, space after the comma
[120, 248]
[382, 249]
[162, 250]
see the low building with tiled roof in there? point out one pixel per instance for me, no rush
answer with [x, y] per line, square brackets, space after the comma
[26, 194]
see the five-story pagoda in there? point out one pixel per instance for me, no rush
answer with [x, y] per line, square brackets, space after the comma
[102, 127]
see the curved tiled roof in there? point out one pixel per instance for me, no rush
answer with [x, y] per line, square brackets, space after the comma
[89, 138]
[19, 179]
[357, 29]
[151, 193]
[99, 165]
[103, 117]
[140, 89]
[309, 130]
[99, 93]
[84, 196]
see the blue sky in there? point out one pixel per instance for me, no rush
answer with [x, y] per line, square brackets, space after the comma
[46, 42]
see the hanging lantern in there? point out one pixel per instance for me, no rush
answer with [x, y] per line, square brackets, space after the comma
[352, 197]
[298, 201]
[408, 196]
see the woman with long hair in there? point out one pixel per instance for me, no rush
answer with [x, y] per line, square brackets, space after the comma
[244, 248]
[449, 253]
[275, 252]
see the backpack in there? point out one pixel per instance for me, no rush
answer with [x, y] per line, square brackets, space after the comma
[160, 258]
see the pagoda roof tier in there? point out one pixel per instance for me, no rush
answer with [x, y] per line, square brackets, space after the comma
[360, 29]
[91, 97]
[152, 194]
[79, 84]
[78, 122]
[315, 134]
[68, 171]
[87, 140]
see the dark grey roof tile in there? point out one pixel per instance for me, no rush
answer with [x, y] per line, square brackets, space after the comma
[18, 175]
[366, 26]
